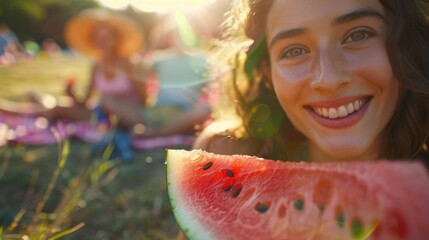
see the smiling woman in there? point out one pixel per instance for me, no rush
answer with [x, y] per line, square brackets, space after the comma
[321, 56]
[332, 80]
[155, 5]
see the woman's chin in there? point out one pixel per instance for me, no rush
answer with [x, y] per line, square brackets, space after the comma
[345, 152]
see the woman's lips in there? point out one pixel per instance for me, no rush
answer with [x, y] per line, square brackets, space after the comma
[340, 113]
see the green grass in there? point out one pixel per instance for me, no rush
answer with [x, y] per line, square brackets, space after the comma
[65, 191]
[46, 74]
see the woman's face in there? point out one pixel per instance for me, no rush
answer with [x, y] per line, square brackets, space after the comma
[331, 74]
[104, 37]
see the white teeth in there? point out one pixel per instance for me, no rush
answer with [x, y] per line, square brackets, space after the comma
[325, 112]
[350, 108]
[333, 113]
[356, 105]
[341, 111]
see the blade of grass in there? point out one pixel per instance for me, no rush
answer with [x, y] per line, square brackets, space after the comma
[63, 154]
[5, 163]
[16, 220]
[67, 232]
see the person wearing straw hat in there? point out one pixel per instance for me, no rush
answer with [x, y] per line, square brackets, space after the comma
[110, 40]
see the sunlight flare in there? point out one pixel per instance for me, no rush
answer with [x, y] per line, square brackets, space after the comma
[155, 5]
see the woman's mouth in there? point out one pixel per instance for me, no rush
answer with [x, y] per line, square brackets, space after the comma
[341, 111]
[339, 114]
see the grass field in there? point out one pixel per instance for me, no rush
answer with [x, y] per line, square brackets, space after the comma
[50, 191]
[46, 74]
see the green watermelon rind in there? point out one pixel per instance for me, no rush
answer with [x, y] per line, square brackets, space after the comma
[411, 198]
[191, 228]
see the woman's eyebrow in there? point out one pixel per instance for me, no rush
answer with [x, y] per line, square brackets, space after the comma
[352, 16]
[287, 34]
[357, 14]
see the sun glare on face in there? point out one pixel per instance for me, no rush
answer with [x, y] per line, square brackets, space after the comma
[155, 5]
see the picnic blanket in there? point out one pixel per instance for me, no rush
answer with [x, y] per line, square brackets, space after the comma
[32, 130]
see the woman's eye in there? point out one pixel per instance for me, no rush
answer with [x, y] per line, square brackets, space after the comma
[294, 52]
[358, 35]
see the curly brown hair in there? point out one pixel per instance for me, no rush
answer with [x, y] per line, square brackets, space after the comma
[408, 51]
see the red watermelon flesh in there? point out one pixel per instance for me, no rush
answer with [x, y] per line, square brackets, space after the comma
[242, 197]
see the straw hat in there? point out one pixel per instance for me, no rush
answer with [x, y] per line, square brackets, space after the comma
[78, 32]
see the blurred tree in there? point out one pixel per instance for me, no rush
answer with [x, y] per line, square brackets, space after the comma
[38, 19]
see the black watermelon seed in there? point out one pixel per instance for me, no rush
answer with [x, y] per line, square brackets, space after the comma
[340, 219]
[262, 208]
[236, 192]
[229, 173]
[299, 204]
[208, 165]
[228, 188]
[321, 209]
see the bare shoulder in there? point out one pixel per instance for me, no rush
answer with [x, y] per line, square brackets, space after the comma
[218, 138]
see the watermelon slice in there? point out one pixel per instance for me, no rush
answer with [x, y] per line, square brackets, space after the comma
[242, 197]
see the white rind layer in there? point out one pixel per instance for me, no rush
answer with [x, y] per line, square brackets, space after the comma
[191, 228]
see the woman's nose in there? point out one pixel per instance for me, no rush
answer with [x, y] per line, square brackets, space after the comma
[329, 73]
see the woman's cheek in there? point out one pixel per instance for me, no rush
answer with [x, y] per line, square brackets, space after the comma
[373, 66]
[289, 81]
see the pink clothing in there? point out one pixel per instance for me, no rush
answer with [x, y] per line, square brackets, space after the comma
[119, 86]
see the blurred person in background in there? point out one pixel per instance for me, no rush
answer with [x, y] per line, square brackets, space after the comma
[181, 69]
[10, 47]
[117, 84]
[50, 47]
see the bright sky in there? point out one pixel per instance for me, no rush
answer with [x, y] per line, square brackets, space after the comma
[154, 5]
